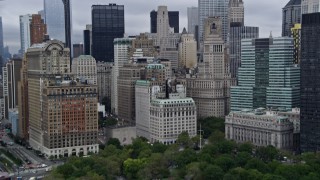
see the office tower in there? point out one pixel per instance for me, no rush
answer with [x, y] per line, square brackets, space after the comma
[1, 45]
[121, 47]
[296, 34]
[55, 19]
[261, 128]
[310, 99]
[25, 32]
[173, 21]
[128, 75]
[78, 50]
[211, 88]
[63, 112]
[13, 117]
[84, 67]
[10, 79]
[87, 39]
[169, 49]
[236, 12]
[23, 105]
[67, 22]
[267, 77]
[193, 19]
[145, 44]
[291, 14]
[310, 6]
[210, 8]
[107, 24]
[237, 33]
[163, 27]
[37, 29]
[104, 78]
[187, 51]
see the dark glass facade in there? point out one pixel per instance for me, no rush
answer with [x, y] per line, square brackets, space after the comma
[173, 21]
[310, 83]
[67, 22]
[291, 14]
[237, 33]
[1, 45]
[107, 24]
[87, 42]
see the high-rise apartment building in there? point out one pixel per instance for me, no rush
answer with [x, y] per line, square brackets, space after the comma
[23, 105]
[63, 112]
[37, 29]
[10, 79]
[121, 49]
[211, 88]
[25, 32]
[236, 12]
[104, 78]
[173, 17]
[84, 67]
[267, 77]
[163, 27]
[210, 8]
[55, 19]
[310, 99]
[296, 34]
[237, 33]
[310, 6]
[87, 39]
[291, 15]
[107, 24]
[187, 51]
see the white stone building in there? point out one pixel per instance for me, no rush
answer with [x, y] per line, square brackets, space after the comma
[187, 51]
[260, 127]
[85, 68]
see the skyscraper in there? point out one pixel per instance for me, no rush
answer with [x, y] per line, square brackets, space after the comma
[296, 34]
[25, 33]
[77, 50]
[209, 8]
[291, 14]
[310, 6]
[267, 76]
[193, 19]
[236, 12]
[187, 51]
[211, 89]
[1, 45]
[63, 111]
[310, 83]
[55, 19]
[87, 39]
[67, 22]
[107, 24]
[173, 21]
[237, 33]
[37, 29]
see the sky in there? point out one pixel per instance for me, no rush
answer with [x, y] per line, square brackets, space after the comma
[265, 14]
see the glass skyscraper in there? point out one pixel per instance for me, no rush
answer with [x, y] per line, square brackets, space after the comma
[107, 24]
[310, 83]
[267, 76]
[25, 39]
[291, 14]
[55, 19]
[237, 33]
[209, 8]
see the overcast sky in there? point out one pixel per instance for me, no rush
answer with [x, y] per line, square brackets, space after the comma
[264, 14]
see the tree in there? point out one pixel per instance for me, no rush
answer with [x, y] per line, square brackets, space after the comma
[246, 147]
[267, 154]
[242, 158]
[272, 177]
[225, 162]
[288, 172]
[213, 172]
[193, 171]
[185, 157]
[258, 165]
[132, 166]
[184, 140]
[156, 168]
[216, 136]
[115, 142]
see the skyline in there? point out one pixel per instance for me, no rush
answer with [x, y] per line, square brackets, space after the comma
[266, 14]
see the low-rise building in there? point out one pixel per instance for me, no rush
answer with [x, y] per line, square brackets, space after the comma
[260, 127]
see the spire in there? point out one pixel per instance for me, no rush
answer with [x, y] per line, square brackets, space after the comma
[184, 31]
[270, 34]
